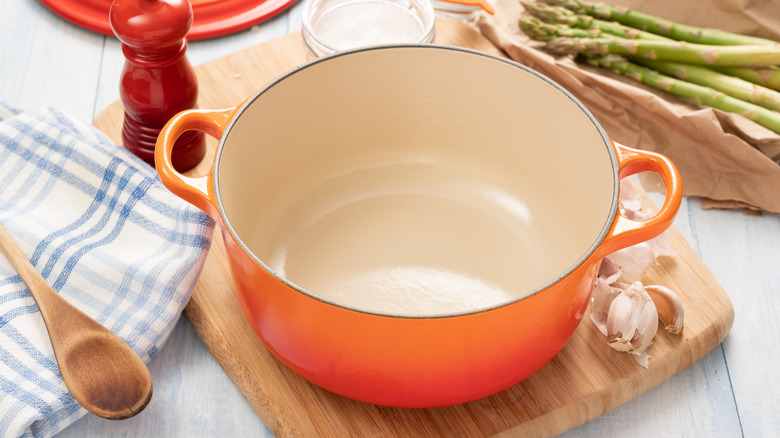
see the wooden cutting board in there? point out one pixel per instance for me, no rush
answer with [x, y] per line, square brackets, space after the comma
[586, 379]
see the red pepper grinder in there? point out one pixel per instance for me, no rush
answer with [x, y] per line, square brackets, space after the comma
[157, 80]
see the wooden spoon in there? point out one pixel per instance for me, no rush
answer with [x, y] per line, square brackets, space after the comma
[101, 372]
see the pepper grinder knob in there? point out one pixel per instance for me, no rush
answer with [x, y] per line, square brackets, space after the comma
[157, 80]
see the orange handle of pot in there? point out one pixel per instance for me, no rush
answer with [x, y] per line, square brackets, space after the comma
[199, 190]
[626, 232]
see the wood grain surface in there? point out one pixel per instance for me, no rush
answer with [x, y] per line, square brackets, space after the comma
[583, 381]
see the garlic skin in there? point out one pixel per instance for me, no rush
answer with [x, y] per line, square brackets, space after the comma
[622, 308]
[630, 198]
[633, 261]
[632, 321]
[669, 307]
[604, 291]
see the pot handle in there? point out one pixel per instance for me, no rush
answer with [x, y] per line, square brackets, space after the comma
[196, 190]
[626, 232]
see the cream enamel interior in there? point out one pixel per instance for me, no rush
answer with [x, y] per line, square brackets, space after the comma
[416, 181]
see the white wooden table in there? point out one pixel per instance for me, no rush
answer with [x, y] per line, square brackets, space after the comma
[734, 391]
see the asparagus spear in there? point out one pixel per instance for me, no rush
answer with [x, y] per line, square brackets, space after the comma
[727, 84]
[745, 56]
[557, 14]
[660, 26]
[768, 77]
[560, 15]
[703, 95]
[730, 85]
[539, 30]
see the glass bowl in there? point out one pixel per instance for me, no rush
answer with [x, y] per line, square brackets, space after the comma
[454, 11]
[331, 26]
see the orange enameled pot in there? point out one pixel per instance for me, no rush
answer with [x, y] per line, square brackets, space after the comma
[414, 226]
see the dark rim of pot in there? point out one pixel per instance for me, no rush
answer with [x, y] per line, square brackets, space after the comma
[602, 235]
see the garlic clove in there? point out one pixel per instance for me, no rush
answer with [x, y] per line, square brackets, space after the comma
[669, 307]
[632, 320]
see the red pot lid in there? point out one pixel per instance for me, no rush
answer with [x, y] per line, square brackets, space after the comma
[211, 18]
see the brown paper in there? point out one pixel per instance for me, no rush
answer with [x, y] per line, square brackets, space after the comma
[725, 158]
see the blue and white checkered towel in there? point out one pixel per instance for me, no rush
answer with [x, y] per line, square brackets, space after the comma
[104, 232]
